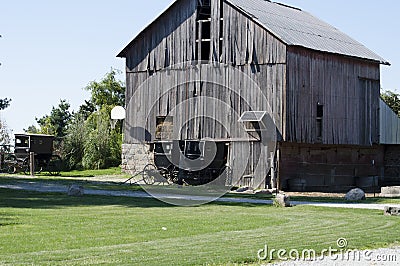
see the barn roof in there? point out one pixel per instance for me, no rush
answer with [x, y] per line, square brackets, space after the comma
[296, 27]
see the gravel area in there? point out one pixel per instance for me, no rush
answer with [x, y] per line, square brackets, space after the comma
[54, 187]
[377, 257]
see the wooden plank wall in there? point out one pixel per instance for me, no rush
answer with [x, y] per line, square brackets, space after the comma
[245, 42]
[347, 88]
[389, 125]
[178, 93]
[250, 68]
[169, 40]
[265, 72]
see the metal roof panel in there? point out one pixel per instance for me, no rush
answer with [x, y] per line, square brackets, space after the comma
[298, 28]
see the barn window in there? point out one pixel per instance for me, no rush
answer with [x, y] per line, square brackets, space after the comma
[221, 29]
[164, 127]
[203, 30]
[320, 115]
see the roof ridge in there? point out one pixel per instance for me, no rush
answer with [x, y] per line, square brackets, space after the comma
[281, 4]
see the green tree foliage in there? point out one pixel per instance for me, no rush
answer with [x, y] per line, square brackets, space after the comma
[73, 145]
[4, 103]
[108, 92]
[57, 122]
[97, 152]
[32, 130]
[392, 99]
[86, 109]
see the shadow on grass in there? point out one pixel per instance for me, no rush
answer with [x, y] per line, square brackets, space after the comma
[37, 200]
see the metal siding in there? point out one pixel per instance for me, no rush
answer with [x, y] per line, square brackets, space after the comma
[299, 28]
[389, 125]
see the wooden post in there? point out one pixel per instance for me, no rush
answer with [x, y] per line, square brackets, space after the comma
[272, 165]
[32, 163]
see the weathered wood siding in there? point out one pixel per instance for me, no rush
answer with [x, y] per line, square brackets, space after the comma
[246, 72]
[167, 41]
[347, 88]
[244, 41]
[245, 45]
[389, 125]
[179, 93]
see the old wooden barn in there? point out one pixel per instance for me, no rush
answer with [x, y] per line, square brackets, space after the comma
[228, 70]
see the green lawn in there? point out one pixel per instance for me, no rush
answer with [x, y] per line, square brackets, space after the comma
[53, 229]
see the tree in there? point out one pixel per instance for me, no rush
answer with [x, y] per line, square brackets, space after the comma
[392, 99]
[73, 146]
[5, 134]
[102, 145]
[108, 92]
[86, 109]
[57, 122]
[32, 130]
[4, 103]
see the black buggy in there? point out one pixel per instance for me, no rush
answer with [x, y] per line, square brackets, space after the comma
[190, 162]
[42, 147]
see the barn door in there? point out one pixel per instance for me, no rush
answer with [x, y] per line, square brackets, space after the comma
[368, 111]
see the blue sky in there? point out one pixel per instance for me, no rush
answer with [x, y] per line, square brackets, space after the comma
[50, 50]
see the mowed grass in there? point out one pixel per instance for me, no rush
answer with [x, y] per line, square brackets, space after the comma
[53, 229]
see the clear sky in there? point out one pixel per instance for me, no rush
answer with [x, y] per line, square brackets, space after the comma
[50, 50]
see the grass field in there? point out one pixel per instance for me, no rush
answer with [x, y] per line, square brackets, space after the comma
[53, 229]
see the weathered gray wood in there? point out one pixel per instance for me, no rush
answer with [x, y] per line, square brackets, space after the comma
[347, 88]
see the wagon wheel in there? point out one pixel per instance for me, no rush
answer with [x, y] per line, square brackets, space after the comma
[166, 174]
[11, 164]
[26, 167]
[54, 165]
[173, 174]
[149, 172]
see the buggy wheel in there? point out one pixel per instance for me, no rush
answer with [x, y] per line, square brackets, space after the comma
[11, 164]
[26, 166]
[27, 169]
[54, 165]
[149, 172]
[166, 174]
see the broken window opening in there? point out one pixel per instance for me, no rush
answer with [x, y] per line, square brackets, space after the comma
[203, 30]
[164, 127]
[221, 29]
[320, 115]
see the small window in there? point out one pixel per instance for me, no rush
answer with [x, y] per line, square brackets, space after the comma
[320, 115]
[320, 111]
[164, 127]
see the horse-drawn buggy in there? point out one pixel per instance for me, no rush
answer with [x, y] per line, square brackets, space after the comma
[190, 162]
[42, 148]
